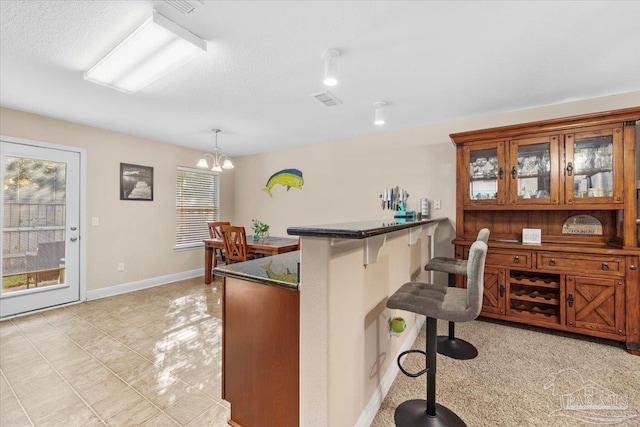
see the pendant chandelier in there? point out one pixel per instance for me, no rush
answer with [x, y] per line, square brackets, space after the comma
[220, 161]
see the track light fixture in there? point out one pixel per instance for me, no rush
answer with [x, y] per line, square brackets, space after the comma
[379, 118]
[329, 71]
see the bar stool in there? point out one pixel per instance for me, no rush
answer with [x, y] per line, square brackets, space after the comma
[449, 345]
[438, 302]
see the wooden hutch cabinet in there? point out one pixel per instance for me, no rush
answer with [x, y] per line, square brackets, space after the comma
[549, 175]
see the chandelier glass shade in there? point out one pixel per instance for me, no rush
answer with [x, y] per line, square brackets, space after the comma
[220, 161]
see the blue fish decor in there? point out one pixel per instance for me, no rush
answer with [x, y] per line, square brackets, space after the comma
[287, 178]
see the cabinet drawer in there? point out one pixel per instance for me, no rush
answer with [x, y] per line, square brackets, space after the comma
[593, 264]
[504, 258]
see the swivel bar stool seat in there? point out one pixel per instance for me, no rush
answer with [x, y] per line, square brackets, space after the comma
[438, 302]
[449, 345]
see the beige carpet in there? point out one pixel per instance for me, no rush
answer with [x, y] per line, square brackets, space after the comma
[505, 384]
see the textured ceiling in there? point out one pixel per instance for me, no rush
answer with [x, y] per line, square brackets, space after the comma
[430, 61]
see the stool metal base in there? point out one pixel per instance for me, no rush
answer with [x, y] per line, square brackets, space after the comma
[456, 348]
[413, 413]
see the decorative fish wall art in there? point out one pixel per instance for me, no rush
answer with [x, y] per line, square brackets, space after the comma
[287, 178]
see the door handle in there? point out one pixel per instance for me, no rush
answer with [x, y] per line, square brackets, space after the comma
[73, 228]
[73, 239]
[569, 169]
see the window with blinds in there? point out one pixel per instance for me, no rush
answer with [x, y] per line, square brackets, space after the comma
[197, 202]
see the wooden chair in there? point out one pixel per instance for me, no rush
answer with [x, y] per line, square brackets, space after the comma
[235, 243]
[216, 233]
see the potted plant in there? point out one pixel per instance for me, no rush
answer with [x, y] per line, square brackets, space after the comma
[260, 229]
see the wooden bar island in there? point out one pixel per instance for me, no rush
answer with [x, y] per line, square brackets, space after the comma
[314, 350]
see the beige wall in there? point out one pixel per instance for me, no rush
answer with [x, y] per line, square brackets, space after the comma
[344, 178]
[140, 234]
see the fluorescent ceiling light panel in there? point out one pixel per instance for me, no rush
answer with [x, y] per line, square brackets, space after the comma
[153, 50]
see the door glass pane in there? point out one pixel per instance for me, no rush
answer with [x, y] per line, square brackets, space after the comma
[33, 229]
[593, 167]
[534, 177]
[483, 171]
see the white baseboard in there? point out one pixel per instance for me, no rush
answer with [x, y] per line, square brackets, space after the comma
[370, 411]
[142, 284]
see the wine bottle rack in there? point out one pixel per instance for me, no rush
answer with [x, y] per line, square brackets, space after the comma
[534, 296]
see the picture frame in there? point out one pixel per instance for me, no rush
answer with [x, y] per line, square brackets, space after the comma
[136, 182]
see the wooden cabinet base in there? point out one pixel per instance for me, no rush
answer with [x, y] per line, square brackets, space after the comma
[260, 353]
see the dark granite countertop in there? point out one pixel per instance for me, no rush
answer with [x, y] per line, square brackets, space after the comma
[359, 230]
[278, 270]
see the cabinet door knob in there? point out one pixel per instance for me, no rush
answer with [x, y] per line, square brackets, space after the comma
[516, 259]
[552, 261]
[514, 172]
[633, 267]
[569, 169]
[605, 266]
[502, 289]
[570, 300]
[500, 173]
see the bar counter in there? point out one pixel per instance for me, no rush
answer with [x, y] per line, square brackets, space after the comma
[305, 334]
[261, 340]
[347, 272]
[278, 270]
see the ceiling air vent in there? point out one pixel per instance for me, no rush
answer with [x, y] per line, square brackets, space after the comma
[327, 98]
[184, 6]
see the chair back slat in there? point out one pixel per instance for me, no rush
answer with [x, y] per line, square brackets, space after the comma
[235, 243]
[214, 228]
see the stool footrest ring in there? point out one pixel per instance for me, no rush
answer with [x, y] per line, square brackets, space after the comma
[410, 374]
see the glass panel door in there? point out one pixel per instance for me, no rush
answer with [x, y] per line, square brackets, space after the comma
[592, 158]
[40, 218]
[486, 174]
[533, 173]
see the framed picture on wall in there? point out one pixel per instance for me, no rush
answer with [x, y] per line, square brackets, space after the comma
[136, 182]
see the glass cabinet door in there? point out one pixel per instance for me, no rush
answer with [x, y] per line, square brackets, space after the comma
[486, 174]
[592, 158]
[533, 165]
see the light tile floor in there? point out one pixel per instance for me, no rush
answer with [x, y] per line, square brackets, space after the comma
[146, 358]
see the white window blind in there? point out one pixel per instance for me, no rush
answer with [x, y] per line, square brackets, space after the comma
[197, 202]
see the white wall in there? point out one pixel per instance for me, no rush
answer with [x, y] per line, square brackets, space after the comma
[140, 234]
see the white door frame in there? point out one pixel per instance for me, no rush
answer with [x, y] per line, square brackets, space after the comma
[82, 227]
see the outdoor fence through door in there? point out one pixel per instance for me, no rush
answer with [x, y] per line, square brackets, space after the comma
[40, 227]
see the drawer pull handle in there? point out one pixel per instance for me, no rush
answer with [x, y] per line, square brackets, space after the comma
[605, 266]
[552, 262]
[570, 300]
[516, 259]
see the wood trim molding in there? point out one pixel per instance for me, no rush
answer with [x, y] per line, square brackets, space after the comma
[553, 125]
